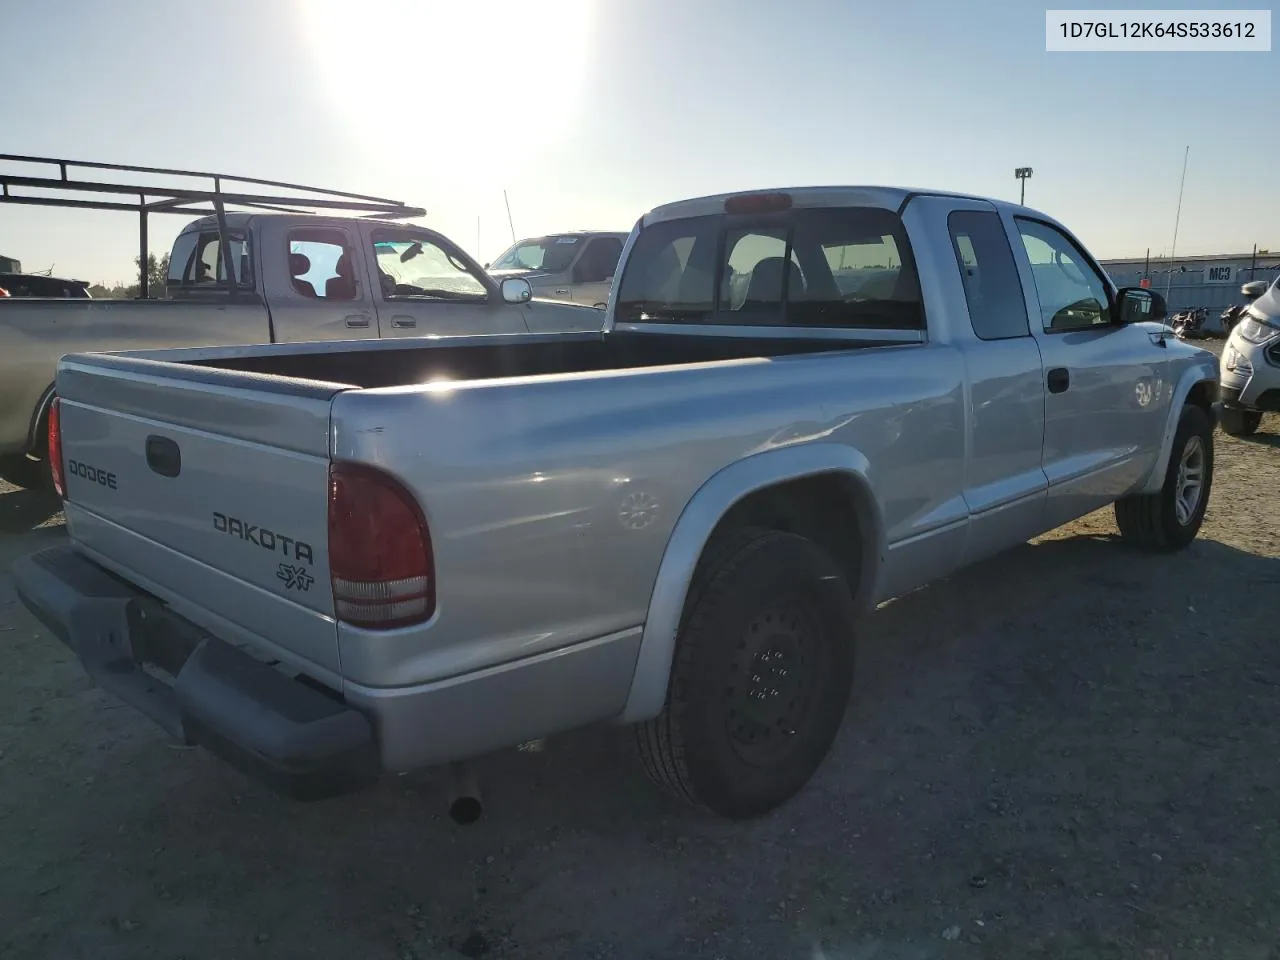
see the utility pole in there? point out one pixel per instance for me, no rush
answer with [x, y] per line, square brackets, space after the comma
[1023, 174]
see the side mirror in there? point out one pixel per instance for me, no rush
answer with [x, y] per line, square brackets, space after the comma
[516, 290]
[1139, 304]
[1254, 289]
[486, 266]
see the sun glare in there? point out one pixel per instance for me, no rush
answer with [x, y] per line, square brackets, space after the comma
[466, 90]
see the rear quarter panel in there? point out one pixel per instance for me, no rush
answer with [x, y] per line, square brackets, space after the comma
[35, 334]
[551, 501]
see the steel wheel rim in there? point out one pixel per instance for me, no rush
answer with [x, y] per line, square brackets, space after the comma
[773, 692]
[1190, 480]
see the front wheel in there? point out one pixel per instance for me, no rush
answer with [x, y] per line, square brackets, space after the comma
[760, 678]
[1239, 423]
[1170, 518]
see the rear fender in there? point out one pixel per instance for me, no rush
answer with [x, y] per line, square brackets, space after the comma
[698, 520]
[35, 433]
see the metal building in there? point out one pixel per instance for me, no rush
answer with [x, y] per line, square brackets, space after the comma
[1210, 281]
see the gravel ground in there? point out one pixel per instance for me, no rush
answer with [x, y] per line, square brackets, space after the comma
[1069, 751]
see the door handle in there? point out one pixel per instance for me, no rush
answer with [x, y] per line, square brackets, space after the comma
[561, 291]
[403, 321]
[1059, 379]
[357, 320]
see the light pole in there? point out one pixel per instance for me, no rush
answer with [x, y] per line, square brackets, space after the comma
[1023, 174]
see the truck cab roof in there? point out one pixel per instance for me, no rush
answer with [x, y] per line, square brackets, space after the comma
[890, 198]
[242, 221]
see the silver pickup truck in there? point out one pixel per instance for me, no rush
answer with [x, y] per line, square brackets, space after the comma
[298, 278]
[325, 562]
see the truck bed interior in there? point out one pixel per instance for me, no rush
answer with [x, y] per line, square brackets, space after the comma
[441, 360]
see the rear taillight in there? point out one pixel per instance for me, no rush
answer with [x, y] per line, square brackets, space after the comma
[55, 449]
[380, 559]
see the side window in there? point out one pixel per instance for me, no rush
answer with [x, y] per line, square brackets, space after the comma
[410, 265]
[203, 266]
[856, 269]
[599, 261]
[997, 309]
[320, 264]
[1071, 293]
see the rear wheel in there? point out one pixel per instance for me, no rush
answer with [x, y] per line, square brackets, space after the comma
[24, 471]
[1239, 423]
[760, 677]
[1169, 519]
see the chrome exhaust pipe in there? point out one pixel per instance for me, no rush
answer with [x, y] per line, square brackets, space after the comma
[464, 794]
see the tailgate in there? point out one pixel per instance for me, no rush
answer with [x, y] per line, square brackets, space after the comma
[208, 488]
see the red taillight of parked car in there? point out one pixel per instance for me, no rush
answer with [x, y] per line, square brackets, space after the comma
[55, 448]
[380, 560]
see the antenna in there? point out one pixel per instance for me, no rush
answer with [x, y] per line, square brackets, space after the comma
[1176, 218]
[509, 223]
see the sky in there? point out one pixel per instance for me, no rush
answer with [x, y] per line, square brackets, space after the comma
[589, 112]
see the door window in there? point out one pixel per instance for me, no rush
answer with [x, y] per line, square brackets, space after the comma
[1072, 294]
[320, 264]
[599, 260]
[992, 289]
[411, 266]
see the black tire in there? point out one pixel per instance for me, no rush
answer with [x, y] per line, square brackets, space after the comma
[763, 606]
[1152, 521]
[1239, 423]
[24, 471]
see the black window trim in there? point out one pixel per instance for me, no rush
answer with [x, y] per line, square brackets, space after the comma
[1107, 285]
[1012, 259]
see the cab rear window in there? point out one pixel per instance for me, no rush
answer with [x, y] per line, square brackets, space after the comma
[196, 261]
[842, 267]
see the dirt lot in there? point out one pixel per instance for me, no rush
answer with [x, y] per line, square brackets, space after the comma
[1070, 751]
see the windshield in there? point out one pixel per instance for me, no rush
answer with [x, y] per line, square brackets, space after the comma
[551, 254]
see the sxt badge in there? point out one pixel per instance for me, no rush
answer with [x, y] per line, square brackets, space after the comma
[295, 578]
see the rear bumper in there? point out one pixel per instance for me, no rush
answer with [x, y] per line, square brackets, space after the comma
[286, 733]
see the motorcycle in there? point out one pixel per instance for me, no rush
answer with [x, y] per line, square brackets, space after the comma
[1189, 324]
